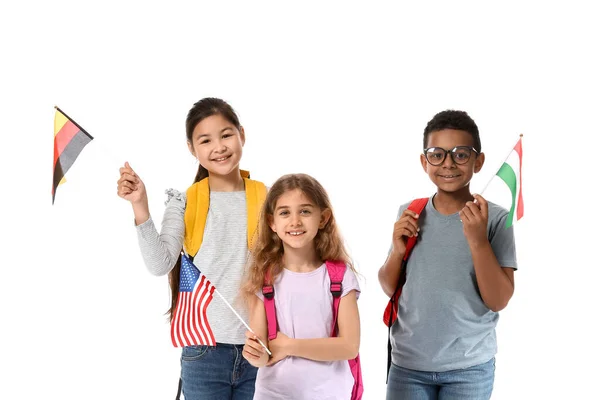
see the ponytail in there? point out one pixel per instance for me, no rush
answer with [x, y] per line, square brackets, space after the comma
[201, 174]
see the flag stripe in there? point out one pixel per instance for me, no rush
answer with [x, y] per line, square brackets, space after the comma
[202, 305]
[520, 206]
[63, 138]
[188, 310]
[211, 336]
[200, 316]
[196, 319]
[59, 121]
[67, 158]
[191, 322]
[184, 311]
[507, 174]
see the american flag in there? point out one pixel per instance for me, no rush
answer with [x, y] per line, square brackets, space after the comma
[189, 325]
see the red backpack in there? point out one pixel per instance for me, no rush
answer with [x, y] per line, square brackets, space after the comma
[336, 271]
[390, 315]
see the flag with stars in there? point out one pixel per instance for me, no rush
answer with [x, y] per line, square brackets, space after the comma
[189, 325]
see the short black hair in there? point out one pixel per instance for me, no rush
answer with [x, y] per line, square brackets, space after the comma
[453, 119]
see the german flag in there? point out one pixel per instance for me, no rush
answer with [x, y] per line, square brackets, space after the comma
[69, 139]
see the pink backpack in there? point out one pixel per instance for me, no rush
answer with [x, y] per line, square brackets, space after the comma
[336, 271]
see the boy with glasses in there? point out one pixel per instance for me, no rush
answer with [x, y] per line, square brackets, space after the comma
[458, 277]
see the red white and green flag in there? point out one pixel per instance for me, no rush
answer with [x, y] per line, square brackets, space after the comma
[510, 172]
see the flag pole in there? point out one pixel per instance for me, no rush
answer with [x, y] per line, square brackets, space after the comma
[243, 322]
[110, 154]
[490, 181]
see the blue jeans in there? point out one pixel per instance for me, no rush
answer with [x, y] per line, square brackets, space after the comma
[216, 372]
[474, 383]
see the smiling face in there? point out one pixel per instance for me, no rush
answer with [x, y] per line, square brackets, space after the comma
[297, 220]
[217, 144]
[449, 176]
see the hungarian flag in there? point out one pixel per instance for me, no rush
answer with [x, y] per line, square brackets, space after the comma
[189, 325]
[69, 140]
[510, 173]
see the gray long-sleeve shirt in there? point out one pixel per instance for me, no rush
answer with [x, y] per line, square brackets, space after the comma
[221, 258]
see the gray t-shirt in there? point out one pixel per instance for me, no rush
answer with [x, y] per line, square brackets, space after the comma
[221, 258]
[443, 323]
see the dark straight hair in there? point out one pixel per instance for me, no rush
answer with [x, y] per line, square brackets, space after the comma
[201, 110]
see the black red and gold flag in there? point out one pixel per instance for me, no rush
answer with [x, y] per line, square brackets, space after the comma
[69, 140]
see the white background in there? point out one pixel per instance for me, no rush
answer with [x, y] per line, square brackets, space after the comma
[340, 91]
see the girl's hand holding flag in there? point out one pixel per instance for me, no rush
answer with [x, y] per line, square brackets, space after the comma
[254, 352]
[131, 188]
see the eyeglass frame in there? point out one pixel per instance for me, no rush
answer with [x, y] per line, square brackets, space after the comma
[451, 152]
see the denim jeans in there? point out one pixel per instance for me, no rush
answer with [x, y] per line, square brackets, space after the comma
[474, 383]
[216, 372]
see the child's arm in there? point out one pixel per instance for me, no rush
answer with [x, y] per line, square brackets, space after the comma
[496, 284]
[159, 251]
[343, 347]
[253, 351]
[389, 273]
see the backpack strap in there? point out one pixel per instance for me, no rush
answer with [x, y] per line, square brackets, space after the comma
[196, 210]
[256, 192]
[336, 271]
[179, 389]
[268, 292]
[417, 206]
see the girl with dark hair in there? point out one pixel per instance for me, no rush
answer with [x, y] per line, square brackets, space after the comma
[213, 223]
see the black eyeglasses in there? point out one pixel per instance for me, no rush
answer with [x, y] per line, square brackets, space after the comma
[460, 154]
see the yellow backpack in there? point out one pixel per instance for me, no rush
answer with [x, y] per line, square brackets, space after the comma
[196, 211]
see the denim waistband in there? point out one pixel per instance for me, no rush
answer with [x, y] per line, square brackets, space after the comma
[229, 345]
